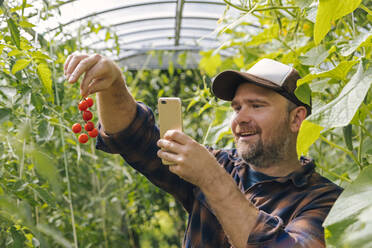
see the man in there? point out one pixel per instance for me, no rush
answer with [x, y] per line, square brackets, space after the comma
[258, 195]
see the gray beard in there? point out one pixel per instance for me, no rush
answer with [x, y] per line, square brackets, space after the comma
[262, 156]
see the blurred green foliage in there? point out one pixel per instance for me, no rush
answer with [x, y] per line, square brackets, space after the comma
[55, 192]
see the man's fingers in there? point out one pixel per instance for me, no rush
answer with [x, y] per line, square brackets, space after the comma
[74, 61]
[97, 85]
[177, 136]
[81, 66]
[170, 146]
[168, 156]
[92, 80]
[67, 63]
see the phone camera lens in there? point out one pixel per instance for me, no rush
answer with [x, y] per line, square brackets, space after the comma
[163, 101]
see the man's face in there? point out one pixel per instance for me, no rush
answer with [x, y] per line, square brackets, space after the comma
[261, 125]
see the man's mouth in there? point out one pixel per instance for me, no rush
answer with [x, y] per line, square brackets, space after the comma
[247, 133]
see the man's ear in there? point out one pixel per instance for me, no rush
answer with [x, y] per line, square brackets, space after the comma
[296, 116]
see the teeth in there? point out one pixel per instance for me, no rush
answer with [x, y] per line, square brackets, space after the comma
[246, 133]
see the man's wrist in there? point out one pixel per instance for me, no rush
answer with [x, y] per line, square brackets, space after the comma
[218, 185]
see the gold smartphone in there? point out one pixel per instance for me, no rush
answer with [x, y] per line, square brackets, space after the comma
[170, 116]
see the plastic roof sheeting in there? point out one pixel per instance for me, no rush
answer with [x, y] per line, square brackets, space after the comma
[172, 26]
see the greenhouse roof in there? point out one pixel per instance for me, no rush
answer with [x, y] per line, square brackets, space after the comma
[172, 26]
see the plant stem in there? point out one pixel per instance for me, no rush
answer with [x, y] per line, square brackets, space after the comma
[262, 9]
[366, 131]
[363, 7]
[65, 162]
[207, 133]
[342, 149]
[353, 24]
[334, 174]
[360, 148]
[287, 46]
[102, 201]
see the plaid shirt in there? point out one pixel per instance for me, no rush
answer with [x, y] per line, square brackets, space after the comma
[291, 208]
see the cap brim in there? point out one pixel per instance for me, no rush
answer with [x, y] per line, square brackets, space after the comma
[225, 84]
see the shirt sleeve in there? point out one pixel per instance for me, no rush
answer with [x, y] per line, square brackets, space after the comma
[137, 145]
[305, 230]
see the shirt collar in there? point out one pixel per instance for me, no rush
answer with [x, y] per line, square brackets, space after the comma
[299, 177]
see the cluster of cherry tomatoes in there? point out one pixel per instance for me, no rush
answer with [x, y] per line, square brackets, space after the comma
[87, 116]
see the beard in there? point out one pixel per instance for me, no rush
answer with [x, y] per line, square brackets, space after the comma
[262, 155]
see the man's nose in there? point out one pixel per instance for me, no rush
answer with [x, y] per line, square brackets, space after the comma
[243, 116]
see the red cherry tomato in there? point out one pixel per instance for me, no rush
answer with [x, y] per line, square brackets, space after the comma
[89, 126]
[93, 133]
[87, 115]
[89, 102]
[83, 138]
[83, 105]
[76, 128]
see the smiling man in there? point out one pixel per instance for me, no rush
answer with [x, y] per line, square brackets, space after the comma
[257, 195]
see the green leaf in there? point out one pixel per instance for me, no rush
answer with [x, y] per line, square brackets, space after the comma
[303, 3]
[37, 101]
[20, 65]
[4, 114]
[8, 92]
[26, 24]
[10, 210]
[18, 238]
[220, 126]
[314, 56]
[45, 76]
[204, 108]
[193, 101]
[239, 61]
[349, 223]
[210, 63]
[340, 111]
[15, 52]
[303, 93]
[267, 35]
[12, 10]
[39, 55]
[108, 35]
[45, 196]
[308, 134]
[182, 59]
[45, 130]
[45, 166]
[170, 67]
[330, 11]
[354, 44]
[24, 3]
[56, 235]
[14, 33]
[339, 72]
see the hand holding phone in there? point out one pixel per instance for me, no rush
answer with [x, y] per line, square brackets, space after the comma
[170, 116]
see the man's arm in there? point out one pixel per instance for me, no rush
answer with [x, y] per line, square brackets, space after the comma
[134, 139]
[244, 225]
[236, 214]
[195, 164]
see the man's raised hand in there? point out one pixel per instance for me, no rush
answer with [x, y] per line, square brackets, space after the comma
[100, 73]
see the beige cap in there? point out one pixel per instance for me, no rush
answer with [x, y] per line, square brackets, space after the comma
[266, 73]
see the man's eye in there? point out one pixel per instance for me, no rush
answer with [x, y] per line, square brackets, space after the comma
[257, 106]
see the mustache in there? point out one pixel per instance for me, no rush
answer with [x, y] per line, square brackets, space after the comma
[247, 127]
